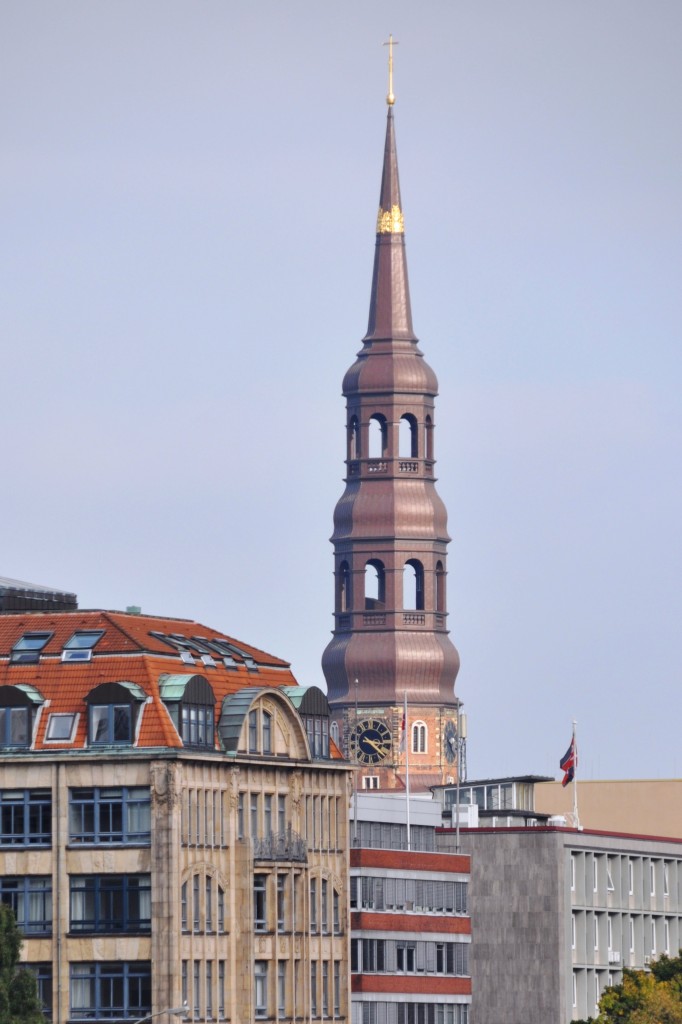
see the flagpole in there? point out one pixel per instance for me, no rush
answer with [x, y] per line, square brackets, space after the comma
[355, 773]
[576, 819]
[407, 773]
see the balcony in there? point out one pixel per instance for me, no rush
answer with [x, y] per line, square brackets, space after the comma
[280, 846]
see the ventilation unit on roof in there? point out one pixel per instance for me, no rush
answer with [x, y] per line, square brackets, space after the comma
[186, 658]
[208, 660]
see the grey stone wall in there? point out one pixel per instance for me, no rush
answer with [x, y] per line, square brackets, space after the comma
[518, 920]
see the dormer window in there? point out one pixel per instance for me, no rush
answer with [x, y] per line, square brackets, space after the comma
[112, 713]
[26, 651]
[191, 704]
[79, 647]
[17, 710]
[110, 723]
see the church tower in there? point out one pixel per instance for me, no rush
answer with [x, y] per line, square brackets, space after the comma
[390, 641]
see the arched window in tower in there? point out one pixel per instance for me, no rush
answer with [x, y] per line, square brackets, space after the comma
[354, 438]
[378, 436]
[428, 430]
[375, 584]
[344, 597]
[413, 585]
[409, 444]
[419, 738]
[440, 587]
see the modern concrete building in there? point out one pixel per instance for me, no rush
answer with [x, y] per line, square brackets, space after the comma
[557, 913]
[173, 822]
[410, 927]
[390, 539]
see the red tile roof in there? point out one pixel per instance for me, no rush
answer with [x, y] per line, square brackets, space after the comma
[127, 652]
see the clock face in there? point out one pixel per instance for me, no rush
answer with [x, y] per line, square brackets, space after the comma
[450, 742]
[370, 741]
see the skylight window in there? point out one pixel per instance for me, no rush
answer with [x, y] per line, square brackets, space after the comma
[26, 651]
[79, 647]
[61, 727]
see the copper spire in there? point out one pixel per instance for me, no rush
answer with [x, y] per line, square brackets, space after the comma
[390, 316]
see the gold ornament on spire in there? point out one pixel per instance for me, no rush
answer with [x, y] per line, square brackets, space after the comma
[390, 98]
[390, 222]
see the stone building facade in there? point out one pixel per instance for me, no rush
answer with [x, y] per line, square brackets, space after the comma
[173, 822]
[559, 912]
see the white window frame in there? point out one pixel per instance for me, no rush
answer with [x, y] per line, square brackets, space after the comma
[631, 877]
[573, 856]
[610, 887]
[596, 931]
[370, 781]
[632, 934]
[419, 737]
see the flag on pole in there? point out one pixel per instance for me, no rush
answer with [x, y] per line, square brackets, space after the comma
[569, 762]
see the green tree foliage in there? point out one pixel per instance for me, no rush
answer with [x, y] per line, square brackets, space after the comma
[19, 1003]
[645, 997]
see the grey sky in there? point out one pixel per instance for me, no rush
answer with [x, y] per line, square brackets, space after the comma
[188, 201]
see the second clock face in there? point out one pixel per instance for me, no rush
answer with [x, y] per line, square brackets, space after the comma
[370, 741]
[450, 742]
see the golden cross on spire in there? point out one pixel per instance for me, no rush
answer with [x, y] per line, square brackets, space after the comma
[390, 99]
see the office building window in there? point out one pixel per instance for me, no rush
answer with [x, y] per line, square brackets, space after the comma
[30, 898]
[313, 988]
[111, 903]
[196, 979]
[281, 902]
[42, 972]
[325, 988]
[196, 909]
[266, 728]
[209, 903]
[324, 904]
[281, 987]
[209, 989]
[110, 815]
[221, 910]
[253, 732]
[221, 989]
[260, 922]
[260, 995]
[25, 817]
[108, 991]
[313, 905]
[337, 988]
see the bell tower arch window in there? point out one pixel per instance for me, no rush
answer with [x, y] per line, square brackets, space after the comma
[375, 584]
[354, 438]
[428, 430]
[419, 738]
[343, 582]
[413, 585]
[409, 441]
[440, 587]
[378, 436]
